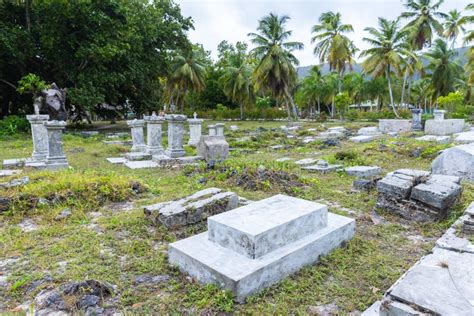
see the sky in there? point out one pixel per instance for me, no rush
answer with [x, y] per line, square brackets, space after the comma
[232, 20]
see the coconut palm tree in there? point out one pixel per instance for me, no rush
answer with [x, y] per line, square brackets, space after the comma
[445, 71]
[423, 15]
[411, 65]
[330, 88]
[469, 38]
[422, 92]
[310, 90]
[332, 46]
[188, 72]
[453, 26]
[386, 55]
[238, 87]
[275, 71]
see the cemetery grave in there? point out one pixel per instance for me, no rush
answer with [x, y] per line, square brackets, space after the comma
[85, 226]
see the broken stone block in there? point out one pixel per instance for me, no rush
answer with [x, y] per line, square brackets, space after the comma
[137, 156]
[439, 191]
[456, 161]
[213, 148]
[11, 172]
[306, 161]
[191, 209]
[363, 184]
[255, 246]
[372, 130]
[413, 195]
[363, 171]
[464, 138]
[468, 220]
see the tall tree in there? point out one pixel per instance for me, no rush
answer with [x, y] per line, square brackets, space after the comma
[423, 15]
[453, 26]
[188, 73]
[445, 71]
[332, 46]
[386, 55]
[237, 85]
[275, 71]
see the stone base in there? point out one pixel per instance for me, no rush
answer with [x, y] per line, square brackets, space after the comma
[137, 156]
[363, 171]
[444, 127]
[395, 126]
[322, 169]
[141, 164]
[175, 153]
[211, 263]
[15, 163]
[9, 172]
[165, 161]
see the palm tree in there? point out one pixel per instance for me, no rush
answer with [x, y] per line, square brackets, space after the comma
[275, 71]
[386, 55]
[237, 85]
[453, 26]
[330, 89]
[444, 70]
[423, 23]
[310, 90]
[353, 83]
[411, 65]
[332, 46]
[188, 73]
[469, 38]
[422, 91]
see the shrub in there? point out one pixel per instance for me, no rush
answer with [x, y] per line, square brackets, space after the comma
[12, 125]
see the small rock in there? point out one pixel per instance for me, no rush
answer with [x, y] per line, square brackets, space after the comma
[4, 204]
[323, 310]
[331, 142]
[88, 301]
[146, 278]
[376, 218]
[416, 152]
[27, 225]
[50, 299]
[202, 180]
[64, 214]
[15, 183]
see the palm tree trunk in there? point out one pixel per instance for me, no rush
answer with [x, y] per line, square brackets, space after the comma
[389, 81]
[293, 105]
[333, 110]
[241, 111]
[319, 107]
[403, 86]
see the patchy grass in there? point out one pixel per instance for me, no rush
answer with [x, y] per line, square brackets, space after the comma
[103, 241]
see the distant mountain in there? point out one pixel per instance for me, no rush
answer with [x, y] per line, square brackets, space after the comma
[356, 67]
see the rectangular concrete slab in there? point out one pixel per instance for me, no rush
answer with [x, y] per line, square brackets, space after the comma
[439, 192]
[209, 262]
[141, 164]
[444, 127]
[117, 160]
[261, 227]
[362, 138]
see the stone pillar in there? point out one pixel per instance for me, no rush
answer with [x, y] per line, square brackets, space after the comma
[416, 120]
[175, 135]
[194, 131]
[138, 139]
[153, 128]
[39, 135]
[212, 130]
[439, 115]
[56, 158]
[220, 129]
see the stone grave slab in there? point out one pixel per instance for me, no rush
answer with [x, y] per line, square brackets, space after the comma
[444, 127]
[116, 160]
[266, 231]
[362, 138]
[322, 167]
[306, 161]
[439, 191]
[464, 138]
[435, 139]
[191, 209]
[137, 156]
[15, 163]
[165, 161]
[283, 159]
[371, 130]
[395, 126]
[141, 164]
[210, 262]
[452, 273]
[9, 172]
[363, 171]
[456, 161]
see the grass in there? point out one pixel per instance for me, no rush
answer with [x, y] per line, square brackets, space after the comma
[101, 241]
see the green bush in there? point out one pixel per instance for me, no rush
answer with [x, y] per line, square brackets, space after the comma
[12, 125]
[222, 112]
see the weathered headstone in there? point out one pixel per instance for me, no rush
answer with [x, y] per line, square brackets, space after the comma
[56, 158]
[254, 246]
[175, 135]
[416, 119]
[439, 115]
[138, 139]
[154, 129]
[194, 131]
[39, 135]
[212, 130]
[213, 148]
[220, 129]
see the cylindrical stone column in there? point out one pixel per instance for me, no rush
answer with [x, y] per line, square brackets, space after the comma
[416, 120]
[56, 158]
[175, 135]
[153, 128]
[39, 135]
[194, 131]
[138, 140]
[220, 129]
[438, 115]
[212, 130]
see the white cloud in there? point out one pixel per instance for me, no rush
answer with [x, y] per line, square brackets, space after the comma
[232, 20]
